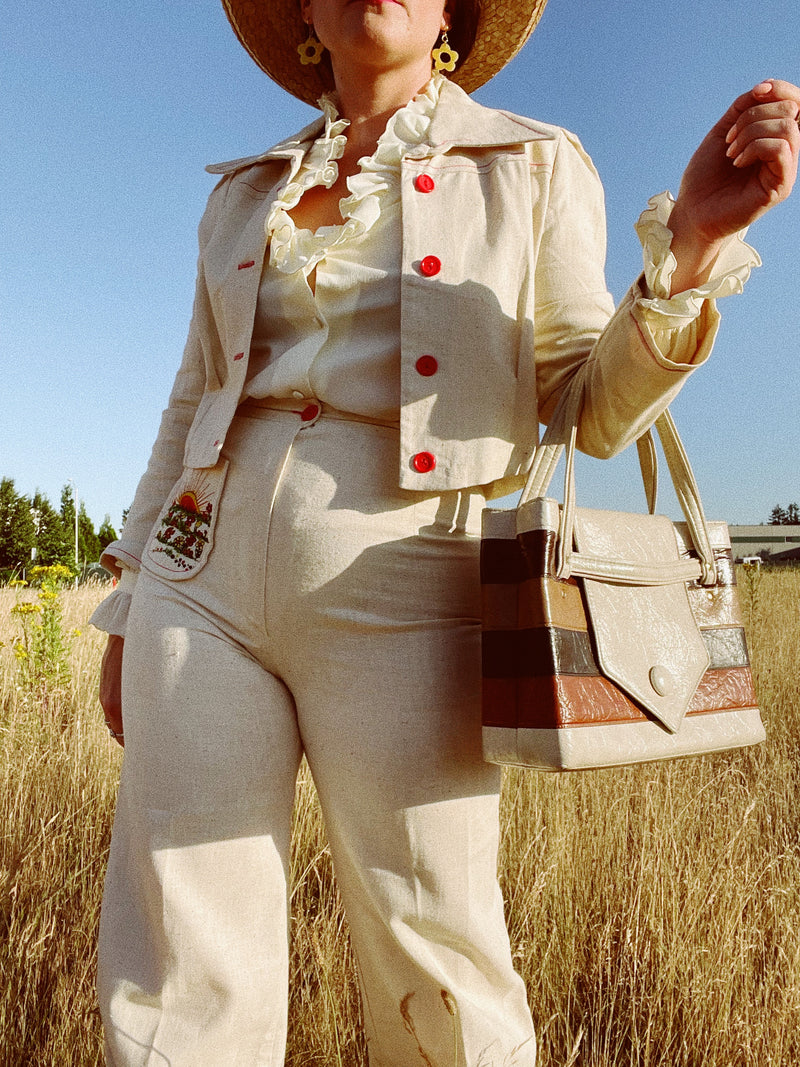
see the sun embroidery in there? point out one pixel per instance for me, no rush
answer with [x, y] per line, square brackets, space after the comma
[184, 529]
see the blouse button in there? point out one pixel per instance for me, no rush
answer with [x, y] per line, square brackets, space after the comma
[424, 183]
[423, 462]
[309, 413]
[427, 366]
[430, 266]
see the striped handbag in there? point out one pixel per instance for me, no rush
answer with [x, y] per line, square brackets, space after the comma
[610, 638]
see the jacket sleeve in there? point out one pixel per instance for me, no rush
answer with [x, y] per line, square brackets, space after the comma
[166, 459]
[628, 363]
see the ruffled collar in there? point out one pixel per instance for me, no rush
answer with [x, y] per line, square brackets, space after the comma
[374, 189]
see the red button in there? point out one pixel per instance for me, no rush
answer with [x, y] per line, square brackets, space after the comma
[427, 366]
[238, 356]
[423, 462]
[430, 266]
[309, 413]
[244, 266]
[424, 183]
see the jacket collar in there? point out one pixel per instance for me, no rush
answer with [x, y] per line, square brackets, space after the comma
[291, 148]
[461, 122]
[458, 122]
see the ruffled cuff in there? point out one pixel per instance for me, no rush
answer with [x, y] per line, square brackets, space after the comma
[729, 273]
[111, 615]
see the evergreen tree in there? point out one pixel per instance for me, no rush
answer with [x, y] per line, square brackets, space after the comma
[17, 530]
[88, 541]
[54, 544]
[780, 516]
[68, 518]
[106, 534]
[777, 517]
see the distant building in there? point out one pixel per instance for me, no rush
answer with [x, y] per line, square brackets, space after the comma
[774, 544]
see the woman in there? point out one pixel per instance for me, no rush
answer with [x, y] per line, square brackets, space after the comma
[360, 375]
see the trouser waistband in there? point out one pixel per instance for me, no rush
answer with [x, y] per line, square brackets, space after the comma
[308, 410]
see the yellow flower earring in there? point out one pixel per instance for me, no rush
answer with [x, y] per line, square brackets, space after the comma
[311, 49]
[444, 57]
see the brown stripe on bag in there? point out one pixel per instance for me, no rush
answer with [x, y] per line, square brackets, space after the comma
[571, 700]
[550, 602]
[547, 650]
[499, 606]
[500, 702]
[537, 602]
[539, 651]
[539, 550]
[731, 687]
[502, 561]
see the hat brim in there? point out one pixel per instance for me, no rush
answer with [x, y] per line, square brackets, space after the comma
[271, 30]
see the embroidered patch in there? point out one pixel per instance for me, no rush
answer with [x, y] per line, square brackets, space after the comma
[183, 535]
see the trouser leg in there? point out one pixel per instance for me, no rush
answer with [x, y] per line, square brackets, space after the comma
[385, 670]
[193, 964]
[412, 818]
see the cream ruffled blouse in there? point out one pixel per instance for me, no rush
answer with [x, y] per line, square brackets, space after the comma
[373, 191]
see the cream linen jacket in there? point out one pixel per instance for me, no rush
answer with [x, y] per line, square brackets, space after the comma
[517, 311]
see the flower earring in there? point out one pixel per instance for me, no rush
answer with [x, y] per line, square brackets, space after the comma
[310, 51]
[444, 57]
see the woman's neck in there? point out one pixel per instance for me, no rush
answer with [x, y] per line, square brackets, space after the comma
[368, 102]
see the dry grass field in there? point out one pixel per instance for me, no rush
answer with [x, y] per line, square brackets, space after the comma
[654, 911]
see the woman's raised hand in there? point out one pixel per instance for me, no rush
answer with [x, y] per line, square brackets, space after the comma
[746, 165]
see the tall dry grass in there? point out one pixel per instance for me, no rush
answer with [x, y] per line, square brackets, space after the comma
[654, 911]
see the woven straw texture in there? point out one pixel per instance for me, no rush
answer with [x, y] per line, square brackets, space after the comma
[271, 30]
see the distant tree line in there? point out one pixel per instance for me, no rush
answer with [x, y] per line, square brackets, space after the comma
[789, 516]
[32, 531]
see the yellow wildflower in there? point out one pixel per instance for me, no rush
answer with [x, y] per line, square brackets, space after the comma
[26, 608]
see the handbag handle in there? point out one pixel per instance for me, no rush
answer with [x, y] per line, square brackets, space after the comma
[561, 434]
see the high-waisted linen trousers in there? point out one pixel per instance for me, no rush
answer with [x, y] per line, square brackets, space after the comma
[335, 616]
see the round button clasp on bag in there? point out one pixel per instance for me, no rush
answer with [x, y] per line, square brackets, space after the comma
[661, 680]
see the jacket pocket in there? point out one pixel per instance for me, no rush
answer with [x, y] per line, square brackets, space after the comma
[183, 535]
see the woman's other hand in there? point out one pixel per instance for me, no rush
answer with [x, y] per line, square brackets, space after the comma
[746, 165]
[111, 686]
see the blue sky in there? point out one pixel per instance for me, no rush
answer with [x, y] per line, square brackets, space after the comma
[110, 111]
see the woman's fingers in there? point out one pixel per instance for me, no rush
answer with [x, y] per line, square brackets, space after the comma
[771, 91]
[767, 135]
[778, 119]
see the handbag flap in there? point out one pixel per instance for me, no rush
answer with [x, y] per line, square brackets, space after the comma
[646, 639]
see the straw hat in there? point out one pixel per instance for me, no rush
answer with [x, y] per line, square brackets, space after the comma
[271, 30]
